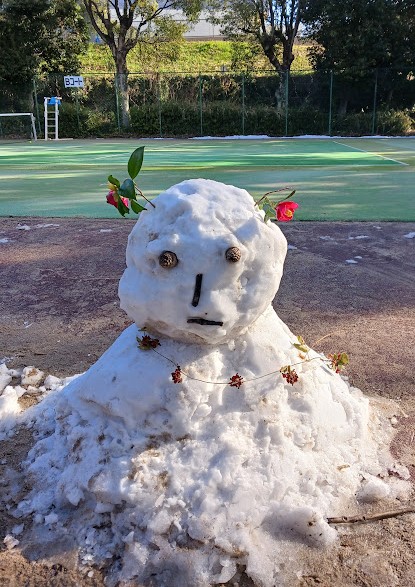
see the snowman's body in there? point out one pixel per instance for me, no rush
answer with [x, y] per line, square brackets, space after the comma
[197, 477]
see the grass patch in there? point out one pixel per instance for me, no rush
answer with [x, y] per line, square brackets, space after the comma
[192, 57]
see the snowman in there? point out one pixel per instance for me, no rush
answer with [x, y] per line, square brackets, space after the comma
[183, 454]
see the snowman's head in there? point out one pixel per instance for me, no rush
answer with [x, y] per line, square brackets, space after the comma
[202, 265]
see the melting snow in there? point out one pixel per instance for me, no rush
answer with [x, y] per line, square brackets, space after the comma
[48, 225]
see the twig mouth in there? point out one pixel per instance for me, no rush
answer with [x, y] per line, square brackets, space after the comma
[204, 322]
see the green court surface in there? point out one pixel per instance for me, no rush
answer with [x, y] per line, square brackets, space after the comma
[336, 179]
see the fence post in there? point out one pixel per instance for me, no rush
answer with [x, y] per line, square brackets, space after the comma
[77, 108]
[36, 106]
[159, 104]
[286, 102]
[330, 102]
[117, 102]
[201, 104]
[243, 104]
[375, 95]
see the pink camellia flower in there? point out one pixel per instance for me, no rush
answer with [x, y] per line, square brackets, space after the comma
[111, 199]
[285, 211]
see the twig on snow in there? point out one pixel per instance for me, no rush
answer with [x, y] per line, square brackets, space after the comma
[370, 518]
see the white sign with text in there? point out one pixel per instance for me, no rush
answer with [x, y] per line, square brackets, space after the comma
[73, 81]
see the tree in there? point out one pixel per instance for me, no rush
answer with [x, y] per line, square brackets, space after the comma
[122, 24]
[36, 36]
[355, 37]
[272, 24]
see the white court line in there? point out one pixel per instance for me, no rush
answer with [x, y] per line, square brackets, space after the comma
[107, 156]
[370, 153]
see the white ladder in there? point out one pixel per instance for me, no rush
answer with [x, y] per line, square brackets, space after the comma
[51, 107]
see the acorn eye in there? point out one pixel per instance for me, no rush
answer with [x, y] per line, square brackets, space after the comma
[168, 260]
[233, 254]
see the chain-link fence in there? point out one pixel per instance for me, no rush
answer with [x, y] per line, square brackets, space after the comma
[351, 103]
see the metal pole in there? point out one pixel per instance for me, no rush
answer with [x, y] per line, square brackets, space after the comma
[200, 105]
[159, 104]
[77, 108]
[286, 103]
[32, 119]
[36, 106]
[56, 120]
[45, 105]
[375, 95]
[330, 102]
[243, 103]
[117, 102]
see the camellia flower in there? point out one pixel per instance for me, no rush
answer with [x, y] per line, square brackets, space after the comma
[285, 211]
[112, 198]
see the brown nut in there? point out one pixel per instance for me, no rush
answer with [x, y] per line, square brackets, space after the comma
[168, 260]
[233, 254]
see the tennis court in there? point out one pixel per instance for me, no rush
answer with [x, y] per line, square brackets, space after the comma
[336, 179]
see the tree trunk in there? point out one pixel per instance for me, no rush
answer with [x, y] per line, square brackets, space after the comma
[280, 96]
[342, 109]
[122, 89]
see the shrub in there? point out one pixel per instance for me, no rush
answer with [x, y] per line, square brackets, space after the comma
[221, 118]
[387, 122]
[394, 122]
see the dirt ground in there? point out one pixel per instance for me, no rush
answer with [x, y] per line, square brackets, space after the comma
[59, 312]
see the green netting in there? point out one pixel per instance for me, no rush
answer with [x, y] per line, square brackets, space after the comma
[346, 103]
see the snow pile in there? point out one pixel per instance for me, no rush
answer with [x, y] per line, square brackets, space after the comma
[14, 384]
[186, 481]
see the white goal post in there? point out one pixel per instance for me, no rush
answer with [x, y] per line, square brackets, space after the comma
[32, 119]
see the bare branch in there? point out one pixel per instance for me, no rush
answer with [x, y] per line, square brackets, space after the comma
[116, 7]
[370, 518]
[94, 13]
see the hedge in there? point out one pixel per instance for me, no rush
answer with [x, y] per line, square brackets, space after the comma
[220, 118]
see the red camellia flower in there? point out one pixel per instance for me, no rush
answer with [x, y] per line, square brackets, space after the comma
[285, 211]
[111, 199]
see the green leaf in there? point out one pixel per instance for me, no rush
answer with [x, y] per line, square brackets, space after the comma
[122, 208]
[344, 359]
[269, 211]
[136, 207]
[127, 189]
[301, 347]
[135, 162]
[114, 181]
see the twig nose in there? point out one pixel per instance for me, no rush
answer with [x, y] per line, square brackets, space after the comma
[198, 289]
